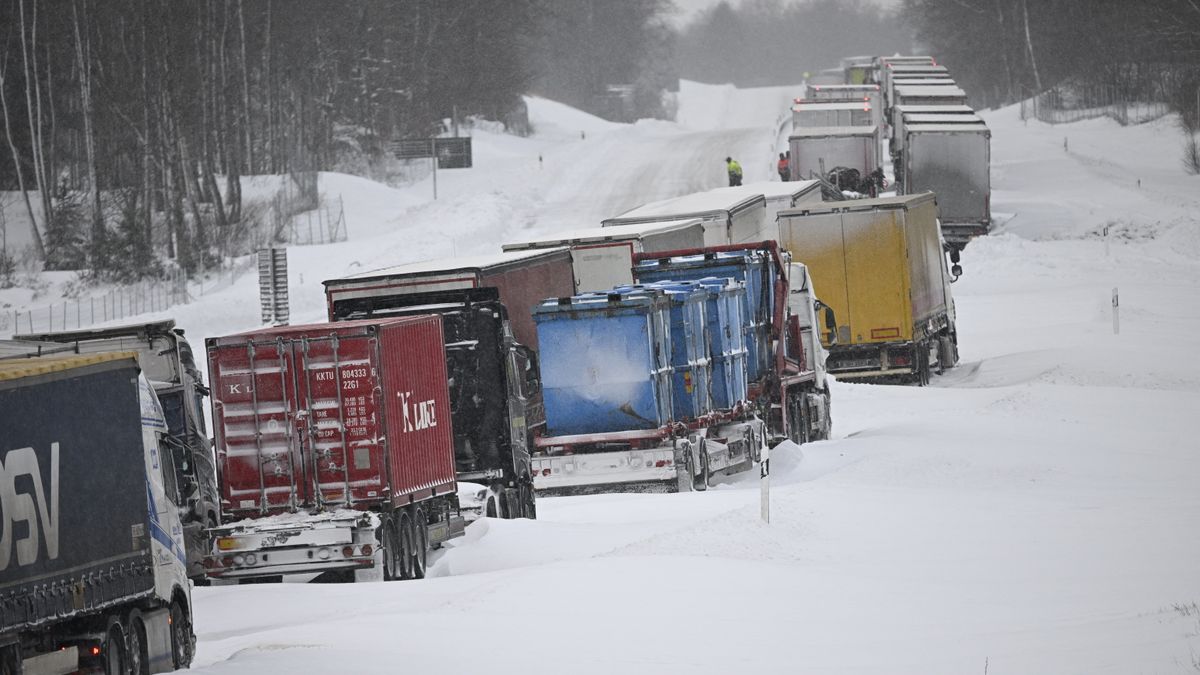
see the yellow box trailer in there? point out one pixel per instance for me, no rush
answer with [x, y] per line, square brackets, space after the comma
[880, 266]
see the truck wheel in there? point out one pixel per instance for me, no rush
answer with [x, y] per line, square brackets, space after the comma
[181, 636]
[138, 658]
[528, 502]
[684, 480]
[420, 544]
[391, 550]
[10, 660]
[115, 662]
[700, 483]
[407, 544]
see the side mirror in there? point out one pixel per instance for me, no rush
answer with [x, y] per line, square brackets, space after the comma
[831, 324]
[956, 270]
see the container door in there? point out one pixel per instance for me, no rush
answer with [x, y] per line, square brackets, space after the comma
[877, 283]
[818, 242]
[340, 425]
[256, 423]
[658, 321]
[601, 267]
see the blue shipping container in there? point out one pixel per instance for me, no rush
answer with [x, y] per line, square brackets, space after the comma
[605, 362]
[727, 343]
[748, 267]
[689, 349]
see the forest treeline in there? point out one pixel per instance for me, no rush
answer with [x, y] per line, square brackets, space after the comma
[764, 42]
[128, 123]
[1003, 51]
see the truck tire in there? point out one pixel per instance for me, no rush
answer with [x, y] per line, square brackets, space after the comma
[407, 544]
[685, 476]
[115, 656]
[391, 550]
[137, 656]
[10, 660]
[181, 636]
[700, 483]
[420, 543]
[528, 502]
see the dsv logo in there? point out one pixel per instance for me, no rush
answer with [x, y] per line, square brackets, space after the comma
[417, 414]
[21, 507]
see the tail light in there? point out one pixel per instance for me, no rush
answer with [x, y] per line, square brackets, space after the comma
[366, 549]
[347, 551]
[660, 463]
[545, 472]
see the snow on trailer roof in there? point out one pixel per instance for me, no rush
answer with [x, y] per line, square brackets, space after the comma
[690, 206]
[917, 68]
[601, 234]
[934, 109]
[815, 132]
[929, 90]
[856, 205]
[948, 118]
[924, 80]
[773, 190]
[846, 87]
[809, 105]
[15, 369]
[341, 328]
[936, 127]
[473, 263]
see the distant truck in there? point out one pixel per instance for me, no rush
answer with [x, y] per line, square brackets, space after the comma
[833, 113]
[897, 127]
[336, 448]
[168, 363]
[602, 257]
[951, 157]
[522, 278]
[880, 265]
[495, 386]
[858, 69]
[727, 219]
[870, 93]
[686, 374]
[928, 95]
[819, 150]
[779, 195]
[95, 574]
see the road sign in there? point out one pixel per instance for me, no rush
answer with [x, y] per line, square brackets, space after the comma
[452, 153]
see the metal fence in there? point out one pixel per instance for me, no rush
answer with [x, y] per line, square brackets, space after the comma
[1076, 102]
[81, 312]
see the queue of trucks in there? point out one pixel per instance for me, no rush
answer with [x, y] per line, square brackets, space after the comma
[672, 344]
[935, 141]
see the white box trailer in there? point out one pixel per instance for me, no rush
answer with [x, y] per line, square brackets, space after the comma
[954, 162]
[898, 113]
[870, 93]
[808, 113]
[818, 150]
[780, 196]
[915, 81]
[726, 218]
[929, 95]
[904, 118]
[602, 257]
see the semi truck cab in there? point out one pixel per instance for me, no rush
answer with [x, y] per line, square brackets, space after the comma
[168, 364]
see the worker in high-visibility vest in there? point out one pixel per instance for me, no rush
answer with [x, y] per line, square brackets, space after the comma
[735, 171]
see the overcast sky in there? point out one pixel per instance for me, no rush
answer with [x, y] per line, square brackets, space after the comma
[686, 10]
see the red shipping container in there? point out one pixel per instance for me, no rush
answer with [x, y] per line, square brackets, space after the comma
[353, 414]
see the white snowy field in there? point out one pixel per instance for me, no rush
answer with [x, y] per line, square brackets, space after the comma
[1036, 510]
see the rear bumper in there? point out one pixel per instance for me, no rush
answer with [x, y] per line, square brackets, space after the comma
[614, 471]
[961, 233]
[281, 546]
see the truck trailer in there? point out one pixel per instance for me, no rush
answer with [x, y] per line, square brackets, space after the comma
[880, 265]
[817, 151]
[95, 578]
[167, 361]
[898, 113]
[726, 218]
[952, 160]
[779, 195]
[602, 257]
[523, 278]
[928, 95]
[869, 93]
[494, 380]
[808, 113]
[336, 449]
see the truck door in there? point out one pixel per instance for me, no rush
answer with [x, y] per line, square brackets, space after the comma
[523, 387]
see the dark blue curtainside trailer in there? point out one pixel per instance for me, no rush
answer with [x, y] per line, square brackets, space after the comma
[80, 571]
